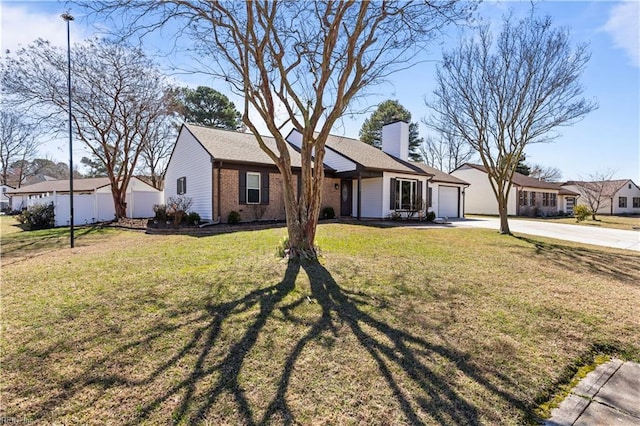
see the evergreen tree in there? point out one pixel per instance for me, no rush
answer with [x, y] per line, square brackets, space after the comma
[207, 107]
[387, 112]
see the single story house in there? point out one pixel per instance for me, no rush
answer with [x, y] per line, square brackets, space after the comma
[5, 200]
[92, 199]
[621, 196]
[528, 196]
[224, 171]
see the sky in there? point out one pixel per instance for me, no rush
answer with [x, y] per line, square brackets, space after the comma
[606, 139]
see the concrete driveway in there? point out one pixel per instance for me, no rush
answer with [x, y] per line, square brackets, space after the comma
[616, 238]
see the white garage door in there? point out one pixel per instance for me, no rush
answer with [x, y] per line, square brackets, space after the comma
[448, 201]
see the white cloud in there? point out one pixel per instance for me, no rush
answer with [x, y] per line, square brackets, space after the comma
[623, 26]
[22, 23]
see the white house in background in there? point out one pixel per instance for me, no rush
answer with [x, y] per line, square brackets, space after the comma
[446, 195]
[5, 200]
[528, 196]
[223, 171]
[620, 196]
[92, 199]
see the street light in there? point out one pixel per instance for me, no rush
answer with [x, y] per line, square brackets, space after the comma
[67, 17]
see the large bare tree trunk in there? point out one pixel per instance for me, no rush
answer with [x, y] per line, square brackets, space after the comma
[503, 211]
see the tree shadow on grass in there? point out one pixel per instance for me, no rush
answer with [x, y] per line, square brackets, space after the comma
[612, 265]
[403, 360]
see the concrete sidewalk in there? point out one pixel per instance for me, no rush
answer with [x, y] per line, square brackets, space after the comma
[609, 395]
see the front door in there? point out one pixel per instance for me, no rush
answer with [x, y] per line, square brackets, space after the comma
[346, 197]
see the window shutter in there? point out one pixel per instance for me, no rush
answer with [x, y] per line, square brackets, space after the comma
[419, 199]
[430, 196]
[264, 192]
[392, 192]
[299, 185]
[242, 187]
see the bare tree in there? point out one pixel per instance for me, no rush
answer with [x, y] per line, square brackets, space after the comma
[596, 192]
[155, 153]
[500, 96]
[18, 145]
[447, 152]
[119, 100]
[308, 59]
[545, 173]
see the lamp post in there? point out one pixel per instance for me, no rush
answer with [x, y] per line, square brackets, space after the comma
[67, 17]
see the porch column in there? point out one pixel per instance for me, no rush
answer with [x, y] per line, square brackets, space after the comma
[359, 193]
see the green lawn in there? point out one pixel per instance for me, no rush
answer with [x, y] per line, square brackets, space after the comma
[393, 326]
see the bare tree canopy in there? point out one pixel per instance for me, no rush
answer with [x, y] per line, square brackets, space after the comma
[296, 63]
[118, 100]
[446, 153]
[597, 191]
[545, 173]
[503, 94]
[18, 145]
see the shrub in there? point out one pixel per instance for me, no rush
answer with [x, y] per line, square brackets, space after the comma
[160, 211]
[234, 217]
[328, 213]
[581, 212]
[431, 216]
[395, 216]
[179, 206]
[38, 216]
[193, 218]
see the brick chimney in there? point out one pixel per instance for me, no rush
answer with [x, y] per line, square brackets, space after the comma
[395, 139]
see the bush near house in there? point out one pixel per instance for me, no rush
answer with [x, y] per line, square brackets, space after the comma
[233, 218]
[328, 213]
[38, 216]
[581, 212]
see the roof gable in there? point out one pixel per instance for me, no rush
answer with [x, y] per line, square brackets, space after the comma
[369, 156]
[609, 189]
[237, 147]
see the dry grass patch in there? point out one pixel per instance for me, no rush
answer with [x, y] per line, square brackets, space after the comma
[395, 326]
[628, 222]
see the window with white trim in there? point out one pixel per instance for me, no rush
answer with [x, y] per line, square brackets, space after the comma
[253, 188]
[636, 202]
[406, 192]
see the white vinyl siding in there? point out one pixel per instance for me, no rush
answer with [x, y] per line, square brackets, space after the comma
[479, 197]
[193, 163]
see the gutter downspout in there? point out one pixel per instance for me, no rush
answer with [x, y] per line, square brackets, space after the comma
[219, 190]
[359, 194]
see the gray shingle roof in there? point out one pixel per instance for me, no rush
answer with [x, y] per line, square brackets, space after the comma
[368, 156]
[238, 147]
[522, 180]
[438, 175]
[62, 185]
[609, 187]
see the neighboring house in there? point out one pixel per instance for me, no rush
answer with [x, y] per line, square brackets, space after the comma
[5, 200]
[92, 199]
[528, 196]
[223, 171]
[620, 196]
